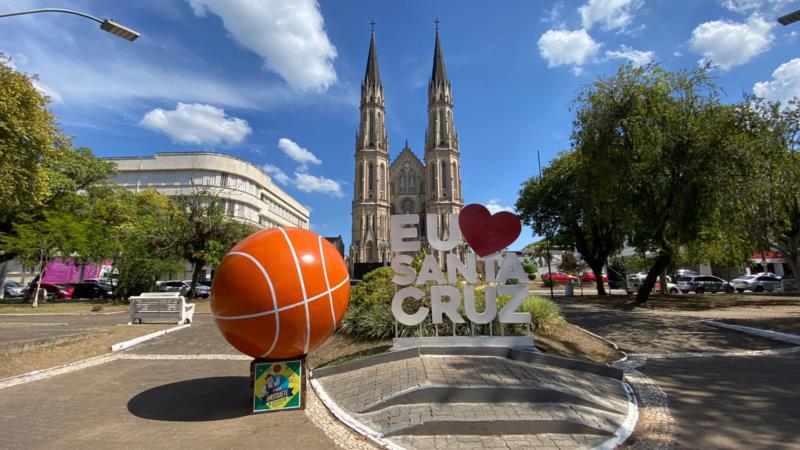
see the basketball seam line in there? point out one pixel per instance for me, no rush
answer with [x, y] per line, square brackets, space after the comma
[302, 287]
[327, 284]
[272, 293]
[283, 308]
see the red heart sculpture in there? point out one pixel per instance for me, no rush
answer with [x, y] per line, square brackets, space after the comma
[487, 233]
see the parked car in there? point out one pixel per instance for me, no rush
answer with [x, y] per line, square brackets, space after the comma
[92, 290]
[200, 289]
[703, 283]
[559, 277]
[589, 277]
[685, 273]
[12, 289]
[633, 285]
[756, 283]
[183, 286]
[58, 291]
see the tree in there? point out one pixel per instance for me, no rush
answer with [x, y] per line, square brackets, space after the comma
[577, 209]
[207, 232]
[28, 135]
[570, 263]
[668, 133]
[766, 200]
[38, 241]
[145, 226]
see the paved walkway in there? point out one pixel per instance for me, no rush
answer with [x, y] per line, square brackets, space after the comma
[153, 403]
[716, 402]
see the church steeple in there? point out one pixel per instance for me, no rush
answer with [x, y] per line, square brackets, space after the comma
[373, 74]
[438, 74]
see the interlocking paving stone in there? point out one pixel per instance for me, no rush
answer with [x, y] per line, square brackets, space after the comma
[371, 386]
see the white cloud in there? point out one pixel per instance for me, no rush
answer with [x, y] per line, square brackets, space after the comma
[611, 14]
[785, 82]
[297, 153]
[567, 48]
[553, 15]
[637, 57]
[289, 36]
[749, 6]
[730, 44]
[276, 173]
[197, 123]
[494, 206]
[310, 183]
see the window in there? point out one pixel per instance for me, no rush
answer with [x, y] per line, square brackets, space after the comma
[444, 175]
[412, 181]
[382, 179]
[224, 180]
[371, 178]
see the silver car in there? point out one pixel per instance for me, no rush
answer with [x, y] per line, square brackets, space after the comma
[756, 283]
[703, 283]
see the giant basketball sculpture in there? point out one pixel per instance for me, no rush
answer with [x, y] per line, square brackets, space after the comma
[278, 295]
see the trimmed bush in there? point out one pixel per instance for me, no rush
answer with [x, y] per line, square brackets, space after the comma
[545, 315]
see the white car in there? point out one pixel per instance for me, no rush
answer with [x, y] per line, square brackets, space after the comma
[756, 283]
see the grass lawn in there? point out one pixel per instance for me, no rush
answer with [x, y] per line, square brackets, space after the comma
[96, 344]
[783, 324]
[61, 307]
[693, 302]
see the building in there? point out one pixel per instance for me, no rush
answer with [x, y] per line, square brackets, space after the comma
[337, 242]
[407, 185]
[249, 193]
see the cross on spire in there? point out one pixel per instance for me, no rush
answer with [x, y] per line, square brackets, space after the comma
[437, 24]
[372, 25]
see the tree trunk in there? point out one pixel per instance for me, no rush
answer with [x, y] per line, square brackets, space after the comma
[83, 272]
[198, 266]
[661, 263]
[597, 269]
[38, 286]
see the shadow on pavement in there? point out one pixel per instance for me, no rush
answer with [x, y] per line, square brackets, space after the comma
[202, 399]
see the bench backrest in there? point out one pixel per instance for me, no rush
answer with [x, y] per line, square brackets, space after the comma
[158, 302]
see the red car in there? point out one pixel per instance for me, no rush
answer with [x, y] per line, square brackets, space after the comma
[560, 277]
[58, 290]
[588, 277]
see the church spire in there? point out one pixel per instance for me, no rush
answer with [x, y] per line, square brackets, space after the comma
[438, 74]
[373, 74]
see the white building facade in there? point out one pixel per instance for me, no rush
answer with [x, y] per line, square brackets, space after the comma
[250, 195]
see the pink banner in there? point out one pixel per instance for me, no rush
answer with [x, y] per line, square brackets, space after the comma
[69, 271]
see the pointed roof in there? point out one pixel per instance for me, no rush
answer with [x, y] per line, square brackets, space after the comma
[438, 74]
[372, 75]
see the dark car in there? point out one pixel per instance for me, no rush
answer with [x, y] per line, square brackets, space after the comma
[92, 290]
[703, 283]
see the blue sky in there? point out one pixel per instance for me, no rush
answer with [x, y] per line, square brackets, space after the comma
[277, 82]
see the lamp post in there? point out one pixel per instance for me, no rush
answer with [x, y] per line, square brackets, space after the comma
[106, 25]
[789, 18]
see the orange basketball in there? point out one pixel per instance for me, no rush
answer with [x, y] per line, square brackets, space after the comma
[280, 293]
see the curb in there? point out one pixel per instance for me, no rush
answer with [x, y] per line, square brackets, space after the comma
[769, 334]
[130, 343]
[612, 343]
[626, 429]
[58, 370]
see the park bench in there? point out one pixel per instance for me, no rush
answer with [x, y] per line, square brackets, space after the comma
[151, 306]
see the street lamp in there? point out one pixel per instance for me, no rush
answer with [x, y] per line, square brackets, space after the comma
[789, 18]
[105, 25]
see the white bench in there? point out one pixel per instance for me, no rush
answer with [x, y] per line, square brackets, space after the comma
[161, 305]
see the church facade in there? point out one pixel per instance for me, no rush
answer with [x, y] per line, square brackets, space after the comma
[406, 185]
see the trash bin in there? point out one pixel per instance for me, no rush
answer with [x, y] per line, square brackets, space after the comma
[569, 289]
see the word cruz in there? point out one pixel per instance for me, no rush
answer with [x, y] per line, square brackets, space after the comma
[445, 296]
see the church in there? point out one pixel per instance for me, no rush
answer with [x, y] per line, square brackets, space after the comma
[406, 185]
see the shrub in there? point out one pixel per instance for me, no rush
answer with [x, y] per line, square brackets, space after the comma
[548, 282]
[545, 315]
[531, 270]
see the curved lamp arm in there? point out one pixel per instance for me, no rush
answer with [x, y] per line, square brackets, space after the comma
[106, 25]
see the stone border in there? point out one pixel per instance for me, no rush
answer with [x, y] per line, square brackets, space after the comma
[760, 332]
[628, 425]
[138, 340]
